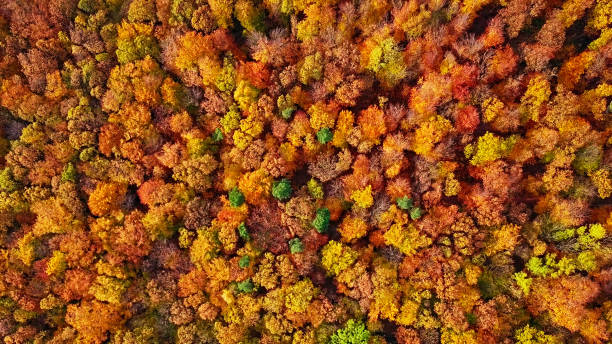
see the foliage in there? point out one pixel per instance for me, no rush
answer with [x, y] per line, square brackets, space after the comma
[489, 148]
[336, 257]
[281, 190]
[244, 232]
[245, 286]
[244, 262]
[407, 239]
[404, 203]
[299, 295]
[7, 184]
[532, 335]
[363, 198]
[305, 172]
[354, 332]
[236, 198]
[296, 246]
[321, 220]
[324, 135]
[385, 59]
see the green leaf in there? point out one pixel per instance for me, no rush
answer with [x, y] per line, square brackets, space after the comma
[244, 262]
[236, 198]
[244, 232]
[354, 332]
[296, 246]
[217, 135]
[321, 221]
[324, 135]
[245, 286]
[69, 173]
[404, 203]
[281, 190]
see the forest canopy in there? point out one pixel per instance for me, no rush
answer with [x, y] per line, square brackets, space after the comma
[305, 171]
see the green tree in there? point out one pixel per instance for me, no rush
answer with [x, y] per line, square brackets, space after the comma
[321, 220]
[236, 197]
[281, 190]
[354, 332]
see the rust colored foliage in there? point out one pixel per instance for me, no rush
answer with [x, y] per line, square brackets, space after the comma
[305, 171]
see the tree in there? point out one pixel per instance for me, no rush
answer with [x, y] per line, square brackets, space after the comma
[299, 295]
[372, 124]
[363, 198]
[93, 320]
[566, 299]
[529, 334]
[354, 332]
[281, 189]
[467, 119]
[141, 10]
[429, 133]
[135, 41]
[407, 239]
[236, 198]
[336, 257]
[352, 228]
[321, 220]
[106, 198]
[385, 60]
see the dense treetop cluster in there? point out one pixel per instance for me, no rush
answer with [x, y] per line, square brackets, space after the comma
[305, 171]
